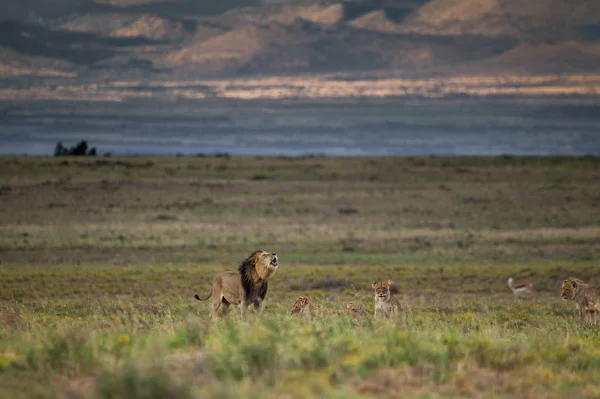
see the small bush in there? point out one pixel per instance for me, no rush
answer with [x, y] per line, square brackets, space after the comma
[190, 334]
[347, 211]
[132, 383]
[166, 217]
[69, 352]
[80, 148]
[238, 353]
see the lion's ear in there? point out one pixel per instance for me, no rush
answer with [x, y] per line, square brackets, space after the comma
[389, 282]
[374, 284]
[574, 284]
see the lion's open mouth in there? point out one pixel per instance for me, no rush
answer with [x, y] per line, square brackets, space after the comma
[274, 262]
[382, 296]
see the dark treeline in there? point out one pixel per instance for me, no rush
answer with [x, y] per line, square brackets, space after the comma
[80, 148]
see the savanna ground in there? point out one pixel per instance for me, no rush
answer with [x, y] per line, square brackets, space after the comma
[100, 259]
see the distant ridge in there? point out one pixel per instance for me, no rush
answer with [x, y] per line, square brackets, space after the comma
[248, 37]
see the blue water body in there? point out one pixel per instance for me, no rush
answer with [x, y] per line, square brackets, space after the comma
[292, 129]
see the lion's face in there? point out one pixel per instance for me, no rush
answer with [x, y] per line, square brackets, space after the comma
[569, 289]
[265, 262]
[382, 290]
[299, 305]
[268, 260]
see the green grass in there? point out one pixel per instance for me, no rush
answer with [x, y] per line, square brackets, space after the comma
[100, 259]
[206, 209]
[165, 346]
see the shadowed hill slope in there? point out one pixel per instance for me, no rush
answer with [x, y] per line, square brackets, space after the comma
[239, 37]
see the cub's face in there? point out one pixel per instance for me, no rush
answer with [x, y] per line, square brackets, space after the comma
[382, 290]
[569, 289]
[299, 305]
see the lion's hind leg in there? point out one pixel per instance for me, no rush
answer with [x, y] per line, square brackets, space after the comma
[593, 315]
[588, 316]
[216, 304]
[220, 306]
[224, 307]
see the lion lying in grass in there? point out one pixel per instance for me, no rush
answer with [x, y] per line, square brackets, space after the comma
[246, 287]
[303, 306]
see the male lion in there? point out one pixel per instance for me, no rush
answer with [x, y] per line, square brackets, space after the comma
[246, 287]
[584, 295]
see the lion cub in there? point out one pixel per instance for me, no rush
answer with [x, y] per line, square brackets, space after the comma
[385, 304]
[357, 311]
[584, 295]
[303, 307]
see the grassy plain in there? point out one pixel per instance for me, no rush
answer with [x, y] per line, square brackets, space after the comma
[100, 258]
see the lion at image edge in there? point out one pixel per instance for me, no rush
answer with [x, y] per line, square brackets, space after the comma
[585, 297]
[246, 287]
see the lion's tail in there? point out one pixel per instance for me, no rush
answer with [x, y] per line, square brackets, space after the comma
[202, 299]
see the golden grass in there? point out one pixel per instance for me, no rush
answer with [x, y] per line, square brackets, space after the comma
[101, 259]
[334, 209]
[316, 87]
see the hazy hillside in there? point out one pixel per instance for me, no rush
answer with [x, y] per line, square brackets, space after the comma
[536, 21]
[246, 37]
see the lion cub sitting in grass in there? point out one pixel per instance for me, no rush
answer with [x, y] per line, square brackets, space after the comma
[303, 307]
[584, 295]
[385, 304]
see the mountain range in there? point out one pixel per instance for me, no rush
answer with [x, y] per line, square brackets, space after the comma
[206, 38]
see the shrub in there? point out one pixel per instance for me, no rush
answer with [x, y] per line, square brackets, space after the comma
[131, 383]
[80, 148]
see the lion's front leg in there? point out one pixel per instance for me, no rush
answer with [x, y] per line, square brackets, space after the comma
[259, 305]
[243, 309]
